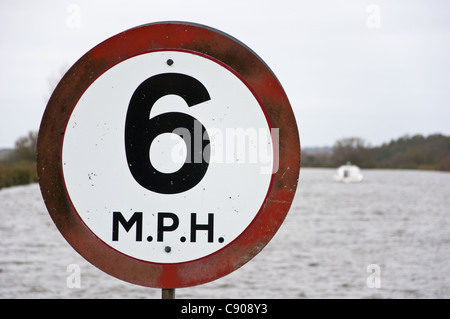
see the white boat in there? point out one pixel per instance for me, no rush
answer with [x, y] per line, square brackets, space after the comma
[348, 174]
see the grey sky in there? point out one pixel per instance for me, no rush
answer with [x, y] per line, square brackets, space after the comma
[349, 68]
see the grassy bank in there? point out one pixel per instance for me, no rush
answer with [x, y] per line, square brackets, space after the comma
[17, 173]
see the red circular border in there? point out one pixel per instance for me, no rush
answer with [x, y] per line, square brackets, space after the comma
[169, 36]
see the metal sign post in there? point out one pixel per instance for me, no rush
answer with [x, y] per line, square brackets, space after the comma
[168, 293]
[168, 155]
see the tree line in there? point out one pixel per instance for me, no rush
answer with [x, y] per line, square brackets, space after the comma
[18, 166]
[407, 152]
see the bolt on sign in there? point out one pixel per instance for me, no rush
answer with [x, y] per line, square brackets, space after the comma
[168, 155]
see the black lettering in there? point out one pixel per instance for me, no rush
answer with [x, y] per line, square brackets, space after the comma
[141, 130]
[208, 227]
[135, 219]
[162, 228]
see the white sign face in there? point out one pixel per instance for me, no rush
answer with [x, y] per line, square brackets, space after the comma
[168, 157]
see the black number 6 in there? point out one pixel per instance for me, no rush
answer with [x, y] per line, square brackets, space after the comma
[140, 131]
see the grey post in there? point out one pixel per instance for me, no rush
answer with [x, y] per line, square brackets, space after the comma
[168, 293]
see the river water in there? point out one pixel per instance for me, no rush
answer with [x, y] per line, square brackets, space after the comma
[387, 237]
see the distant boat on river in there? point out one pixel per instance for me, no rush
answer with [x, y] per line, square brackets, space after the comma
[348, 173]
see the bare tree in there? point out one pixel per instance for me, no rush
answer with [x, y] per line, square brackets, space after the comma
[352, 149]
[25, 147]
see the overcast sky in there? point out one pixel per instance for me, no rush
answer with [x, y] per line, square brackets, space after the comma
[372, 69]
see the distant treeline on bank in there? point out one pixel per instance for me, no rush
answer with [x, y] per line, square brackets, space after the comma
[18, 165]
[408, 152]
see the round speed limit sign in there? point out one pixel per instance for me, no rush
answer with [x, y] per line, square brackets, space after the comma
[168, 155]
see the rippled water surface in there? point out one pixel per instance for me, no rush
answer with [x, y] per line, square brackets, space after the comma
[398, 220]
